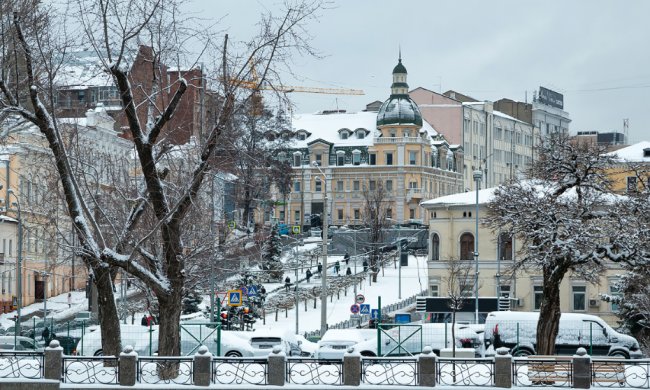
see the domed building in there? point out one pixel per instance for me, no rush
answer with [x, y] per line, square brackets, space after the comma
[389, 150]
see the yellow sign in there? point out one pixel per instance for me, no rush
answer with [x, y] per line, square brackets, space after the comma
[234, 298]
[232, 224]
[295, 229]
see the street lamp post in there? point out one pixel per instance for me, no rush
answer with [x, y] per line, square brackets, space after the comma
[323, 293]
[478, 175]
[19, 262]
[44, 275]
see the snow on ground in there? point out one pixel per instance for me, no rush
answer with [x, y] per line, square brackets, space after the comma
[57, 308]
[414, 280]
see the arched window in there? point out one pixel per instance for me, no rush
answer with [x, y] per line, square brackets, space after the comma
[467, 246]
[505, 246]
[435, 247]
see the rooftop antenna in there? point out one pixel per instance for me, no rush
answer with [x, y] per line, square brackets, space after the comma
[400, 52]
[626, 127]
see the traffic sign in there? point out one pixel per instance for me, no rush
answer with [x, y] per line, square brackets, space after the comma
[295, 229]
[365, 309]
[354, 309]
[232, 225]
[374, 314]
[359, 299]
[244, 290]
[252, 291]
[234, 298]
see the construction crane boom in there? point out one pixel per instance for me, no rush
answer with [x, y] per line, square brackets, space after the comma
[291, 89]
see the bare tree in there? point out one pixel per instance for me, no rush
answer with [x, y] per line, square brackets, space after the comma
[374, 217]
[459, 288]
[154, 252]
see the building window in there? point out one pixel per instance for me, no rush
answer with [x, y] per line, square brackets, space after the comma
[319, 185]
[297, 157]
[339, 214]
[505, 246]
[538, 294]
[434, 290]
[11, 245]
[579, 297]
[614, 292]
[296, 186]
[631, 184]
[356, 157]
[340, 158]
[296, 216]
[389, 213]
[412, 213]
[389, 185]
[319, 159]
[435, 247]
[344, 135]
[373, 158]
[372, 185]
[389, 158]
[356, 185]
[413, 184]
[281, 216]
[356, 214]
[339, 185]
[302, 136]
[413, 155]
[361, 134]
[282, 156]
[467, 246]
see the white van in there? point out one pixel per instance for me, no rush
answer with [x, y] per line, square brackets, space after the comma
[415, 336]
[517, 331]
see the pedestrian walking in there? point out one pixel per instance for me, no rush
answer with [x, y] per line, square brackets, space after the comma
[46, 335]
[69, 299]
[348, 272]
[365, 266]
[320, 268]
[308, 275]
[337, 267]
[287, 283]
[144, 321]
[346, 258]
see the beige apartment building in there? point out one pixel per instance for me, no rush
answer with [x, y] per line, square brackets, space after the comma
[452, 231]
[392, 147]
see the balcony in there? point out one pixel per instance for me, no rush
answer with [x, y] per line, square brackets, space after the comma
[398, 140]
[414, 193]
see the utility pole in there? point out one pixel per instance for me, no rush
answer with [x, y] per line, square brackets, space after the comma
[478, 175]
[323, 293]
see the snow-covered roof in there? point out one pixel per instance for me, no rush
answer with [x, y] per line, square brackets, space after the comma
[632, 153]
[4, 218]
[83, 68]
[495, 112]
[326, 127]
[461, 199]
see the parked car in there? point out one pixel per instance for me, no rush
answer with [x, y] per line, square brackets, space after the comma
[307, 347]
[191, 338]
[415, 336]
[263, 341]
[18, 343]
[335, 342]
[517, 331]
[68, 343]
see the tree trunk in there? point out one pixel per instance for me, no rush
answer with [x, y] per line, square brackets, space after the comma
[108, 318]
[549, 313]
[169, 332]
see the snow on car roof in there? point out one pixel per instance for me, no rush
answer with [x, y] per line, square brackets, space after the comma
[342, 335]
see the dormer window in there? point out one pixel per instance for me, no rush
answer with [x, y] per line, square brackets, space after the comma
[302, 136]
[344, 135]
[297, 159]
[361, 134]
[282, 156]
[646, 152]
[340, 158]
[318, 158]
[356, 157]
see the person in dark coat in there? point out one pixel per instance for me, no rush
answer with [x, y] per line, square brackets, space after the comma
[346, 258]
[348, 271]
[337, 267]
[365, 266]
[46, 334]
[308, 275]
[287, 283]
[144, 321]
[320, 268]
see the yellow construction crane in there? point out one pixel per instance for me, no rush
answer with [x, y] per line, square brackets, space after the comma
[290, 89]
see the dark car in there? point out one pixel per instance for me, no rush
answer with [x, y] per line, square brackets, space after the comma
[68, 343]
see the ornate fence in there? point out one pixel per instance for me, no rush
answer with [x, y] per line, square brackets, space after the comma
[237, 371]
[90, 370]
[389, 371]
[315, 371]
[27, 365]
[465, 372]
[543, 371]
[165, 370]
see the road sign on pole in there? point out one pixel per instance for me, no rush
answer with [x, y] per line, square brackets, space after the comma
[359, 299]
[365, 309]
[374, 314]
[234, 297]
[354, 309]
[252, 291]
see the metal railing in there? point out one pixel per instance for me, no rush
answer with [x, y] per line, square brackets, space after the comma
[27, 365]
[389, 371]
[612, 372]
[465, 372]
[534, 371]
[237, 371]
[90, 370]
[165, 370]
[315, 371]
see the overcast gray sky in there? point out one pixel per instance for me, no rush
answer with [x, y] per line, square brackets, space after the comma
[596, 53]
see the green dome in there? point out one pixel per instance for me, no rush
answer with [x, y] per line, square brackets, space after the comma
[399, 68]
[399, 110]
